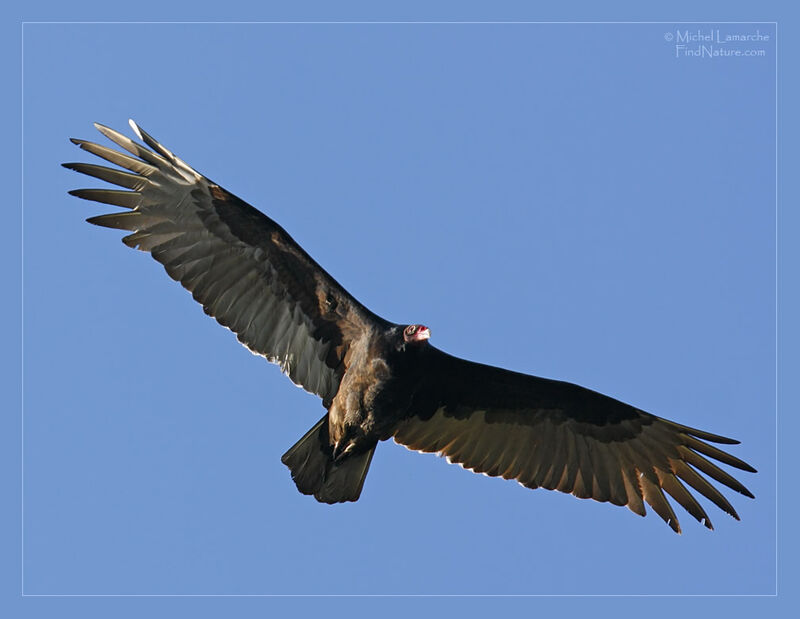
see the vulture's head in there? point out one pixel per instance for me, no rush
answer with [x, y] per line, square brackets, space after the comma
[416, 334]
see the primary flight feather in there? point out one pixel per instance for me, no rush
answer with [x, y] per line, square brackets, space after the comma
[380, 380]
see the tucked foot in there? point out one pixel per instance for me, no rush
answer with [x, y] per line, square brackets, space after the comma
[341, 449]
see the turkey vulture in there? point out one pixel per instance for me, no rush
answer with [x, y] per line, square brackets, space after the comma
[381, 380]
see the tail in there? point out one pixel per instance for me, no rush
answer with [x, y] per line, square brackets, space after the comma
[314, 470]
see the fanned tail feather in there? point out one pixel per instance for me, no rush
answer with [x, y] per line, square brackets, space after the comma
[315, 472]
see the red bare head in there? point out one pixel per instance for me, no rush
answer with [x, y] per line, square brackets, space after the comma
[416, 333]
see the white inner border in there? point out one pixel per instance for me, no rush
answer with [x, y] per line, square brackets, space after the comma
[22, 312]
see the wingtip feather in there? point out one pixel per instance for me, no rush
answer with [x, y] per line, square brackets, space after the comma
[135, 128]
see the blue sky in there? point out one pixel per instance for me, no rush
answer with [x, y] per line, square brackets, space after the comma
[572, 201]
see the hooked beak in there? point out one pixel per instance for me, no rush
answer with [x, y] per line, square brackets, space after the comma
[422, 334]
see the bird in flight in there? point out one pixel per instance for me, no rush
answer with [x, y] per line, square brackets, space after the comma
[380, 380]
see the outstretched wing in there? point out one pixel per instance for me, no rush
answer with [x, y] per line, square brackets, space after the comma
[244, 269]
[559, 436]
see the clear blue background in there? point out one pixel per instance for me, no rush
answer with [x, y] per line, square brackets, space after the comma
[565, 200]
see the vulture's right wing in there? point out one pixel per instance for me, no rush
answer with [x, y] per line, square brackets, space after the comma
[244, 269]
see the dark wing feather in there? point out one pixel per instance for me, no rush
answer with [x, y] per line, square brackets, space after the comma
[244, 269]
[559, 436]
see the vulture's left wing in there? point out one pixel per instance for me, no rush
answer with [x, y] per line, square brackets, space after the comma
[555, 435]
[244, 269]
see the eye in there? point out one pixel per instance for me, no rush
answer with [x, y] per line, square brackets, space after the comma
[330, 301]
